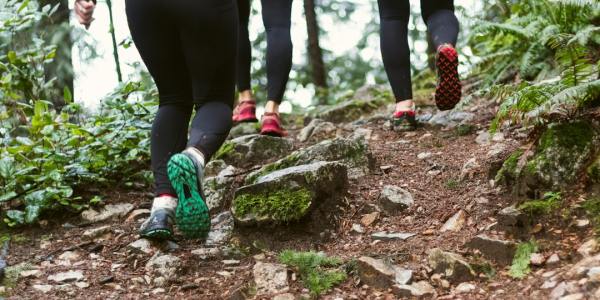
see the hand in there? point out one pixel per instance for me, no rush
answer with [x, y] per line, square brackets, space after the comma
[84, 9]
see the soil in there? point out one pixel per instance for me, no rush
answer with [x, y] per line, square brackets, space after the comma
[110, 269]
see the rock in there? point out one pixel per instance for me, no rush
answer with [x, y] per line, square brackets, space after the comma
[368, 219]
[465, 288]
[421, 289]
[546, 170]
[361, 105]
[244, 129]
[94, 233]
[69, 256]
[576, 296]
[355, 154]
[30, 274]
[221, 229]
[108, 212]
[164, 265]
[582, 223]
[385, 236]
[499, 251]
[160, 281]
[424, 155]
[207, 253]
[394, 199]
[361, 134]
[513, 220]
[469, 169]
[290, 194]
[3, 266]
[537, 259]
[553, 259]
[157, 291]
[589, 248]
[483, 138]
[142, 246]
[214, 167]
[249, 150]
[82, 285]
[381, 275]
[453, 266]
[286, 296]
[549, 284]
[559, 291]
[137, 215]
[270, 278]
[317, 129]
[44, 288]
[65, 277]
[230, 262]
[358, 228]
[455, 223]
[451, 119]
[219, 189]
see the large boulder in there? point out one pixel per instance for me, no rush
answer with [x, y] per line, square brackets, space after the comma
[365, 101]
[355, 154]
[562, 154]
[219, 189]
[290, 194]
[249, 150]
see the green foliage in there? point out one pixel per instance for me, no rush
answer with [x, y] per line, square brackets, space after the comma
[553, 47]
[549, 203]
[592, 208]
[283, 205]
[312, 268]
[520, 265]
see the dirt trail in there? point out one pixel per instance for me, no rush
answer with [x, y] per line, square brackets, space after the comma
[429, 163]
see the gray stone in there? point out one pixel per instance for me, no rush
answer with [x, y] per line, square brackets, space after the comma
[483, 138]
[355, 154]
[143, 246]
[513, 220]
[553, 260]
[219, 189]
[465, 288]
[82, 285]
[559, 291]
[456, 222]
[451, 265]
[69, 276]
[358, 228]
[537, 259]
[214, 167]
[391, 236]
[44, 288]
[31, 274]
[207, 253]
[69, 256]
[421, 289]
[286, 296]
[380, 274]
[317, 129]
[451, 119]
[361, 134]
[301, 188]
[94, 233]
[164, 265]
[244, 129]
[499, 251]
[270, 278]
[108, 212]
[424, 155]
[588, 248]
[394, 199]
[469, 169]
[221, 229]
[249, 150]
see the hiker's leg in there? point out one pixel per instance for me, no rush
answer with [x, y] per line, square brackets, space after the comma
[277, 18]
[443, 28]
[441, 21]
[244, 56]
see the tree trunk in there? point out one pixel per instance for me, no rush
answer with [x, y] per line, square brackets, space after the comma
[315, 54]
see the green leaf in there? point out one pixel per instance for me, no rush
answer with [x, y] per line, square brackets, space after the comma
[8, 196]
[23, 6]
[12, 57]
[67, 95]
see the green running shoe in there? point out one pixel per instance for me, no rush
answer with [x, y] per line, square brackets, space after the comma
[192, 214]
[159, 226]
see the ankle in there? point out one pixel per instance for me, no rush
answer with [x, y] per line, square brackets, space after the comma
[272, 107]
[196, 154]
[164, 201]
[245, 96]
[405, 104]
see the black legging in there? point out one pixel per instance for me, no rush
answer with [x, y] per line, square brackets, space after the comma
[276, 15]
[442, 26]
[189, 48]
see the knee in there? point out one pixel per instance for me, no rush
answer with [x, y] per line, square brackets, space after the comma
[394, 10]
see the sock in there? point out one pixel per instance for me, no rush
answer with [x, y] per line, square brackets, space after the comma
[164, 202]
[196, 154]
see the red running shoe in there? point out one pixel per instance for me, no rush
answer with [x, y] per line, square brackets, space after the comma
[244, 112]
[448, 90]
[271, 125]
[405, 120]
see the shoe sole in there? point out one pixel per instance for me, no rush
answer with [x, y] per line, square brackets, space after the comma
[273, 133]
[248, 120]
[157, 234]
[192, 214]
[448, 91]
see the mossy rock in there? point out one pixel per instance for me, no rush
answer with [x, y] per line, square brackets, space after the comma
[560, 158]
[593, 171]
[289, 195]
[509, 173]
[219, 189]
[365, 101]
[253, 149]
[243, 129]
[355, 154]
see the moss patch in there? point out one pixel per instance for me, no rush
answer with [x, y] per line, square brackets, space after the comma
[520, 266]
[313, 270]
[508, 171]
[576, 136]
[546, 205]
[283, 205]
[592, 208]
[225, 150]
[12, 273]
[593, 171]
